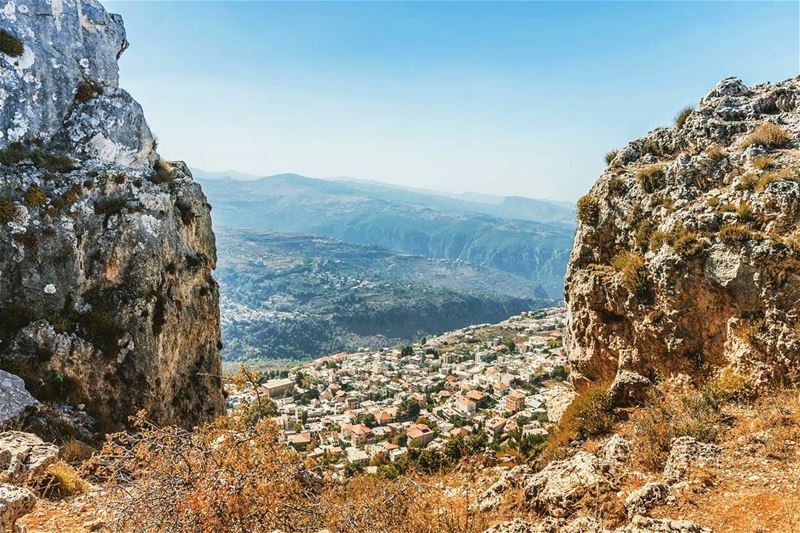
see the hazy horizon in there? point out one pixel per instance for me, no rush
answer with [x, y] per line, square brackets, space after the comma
[509, 99]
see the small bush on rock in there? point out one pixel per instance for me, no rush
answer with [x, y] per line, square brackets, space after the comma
[650, 177]
[35, 197]
[86, 91]
[588, 210]
[768, 135]
[10, 45]
[7, 211]
[634, 272]
[610, 155]
[735, 233]
[163, 173]
[61, 480]
[761, 162]
[616, 186]
[748, 182]
[683, 114]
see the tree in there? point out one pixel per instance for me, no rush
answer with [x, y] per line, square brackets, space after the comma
[525, 443]
[512, 346]
[406, 351]
[369, 420]
[410, 409]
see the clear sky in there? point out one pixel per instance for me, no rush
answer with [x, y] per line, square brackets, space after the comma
[503, 98]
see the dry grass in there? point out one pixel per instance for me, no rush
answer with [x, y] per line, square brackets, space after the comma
[616, 186]
[762, 162]
[610, 155]
[735, 233]
[163, 172]
[61, 480]
[75, 452]
[744, 213]
[650, 176]
[35, 197]
[633, 270]
[783, 174]
[712, 201]
[748, 182]
[589, 415]
[715, 152]
[87, 91]
[7, 210]
[768, 135]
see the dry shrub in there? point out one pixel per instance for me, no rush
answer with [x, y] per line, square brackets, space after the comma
[650, 177]
[735, 233]
[75, 452]
[712, 201]
[610, 156]
[715, 152]
[761, 162]
[7, 210]
[588, 210]
[670, 412]
[744, 213]
[35, 197]
[405, 505]
[164, 172]
[783, 174]
[590, 414]
[237, 477]
[10, 45]
[748, 182]
[226, 476]
[768, 135]
[633, 270]
[61, 480]
[616, 186]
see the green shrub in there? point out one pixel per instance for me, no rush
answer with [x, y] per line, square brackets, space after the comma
[610, 155]
[588, 210]
[10, 45]
[12, 154]
[729, 386]
[7, 211]
[634, 272]
[768, 135]
[735, 233]
[683, 114]
[51, 162]
[35, 197]
[650, 177]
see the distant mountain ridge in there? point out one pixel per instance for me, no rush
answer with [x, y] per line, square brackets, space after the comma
[405, 221]
[518, 207]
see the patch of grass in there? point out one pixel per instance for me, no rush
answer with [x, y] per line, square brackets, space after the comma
[588, 210]
[35, 197]
[683, 114]
[768, 135]
[762, 162]
[650, 177]
[715, 152]
[616, 186]
[589, 415]
[782, 174]
[729, 386]
[634, 272]
[610, 155]
[671, 412]
[712, 201]
[86, 91]
[735, 233]
[10, 45]
[751, 329]
[7, 211]
[643, 232]
[728, 207]
[61, 480]
[75, 451]
[744, 213]
[748, 182]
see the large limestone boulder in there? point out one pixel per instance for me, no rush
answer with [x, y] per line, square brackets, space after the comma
[686, 452]
[14, 503]
[24, 455]
[106, 252]
[687, 253]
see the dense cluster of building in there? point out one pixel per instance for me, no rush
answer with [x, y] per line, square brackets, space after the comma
[368, 407]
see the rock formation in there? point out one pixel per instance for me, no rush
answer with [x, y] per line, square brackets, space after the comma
[687, 254]
[106, 251]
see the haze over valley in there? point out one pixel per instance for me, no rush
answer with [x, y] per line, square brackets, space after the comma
[328, 265]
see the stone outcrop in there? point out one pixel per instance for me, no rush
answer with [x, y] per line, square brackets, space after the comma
[24, 455]
[14, 398]
[686, 452]
[687, 253]
[15, 502]
[106, 251]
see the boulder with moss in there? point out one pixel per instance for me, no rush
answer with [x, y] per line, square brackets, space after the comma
[687, 255]
[106, 251]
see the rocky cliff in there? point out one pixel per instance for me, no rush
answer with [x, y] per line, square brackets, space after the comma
[687, 254]
[106, 251]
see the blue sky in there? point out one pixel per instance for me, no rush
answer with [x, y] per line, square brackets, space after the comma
[507, 98]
